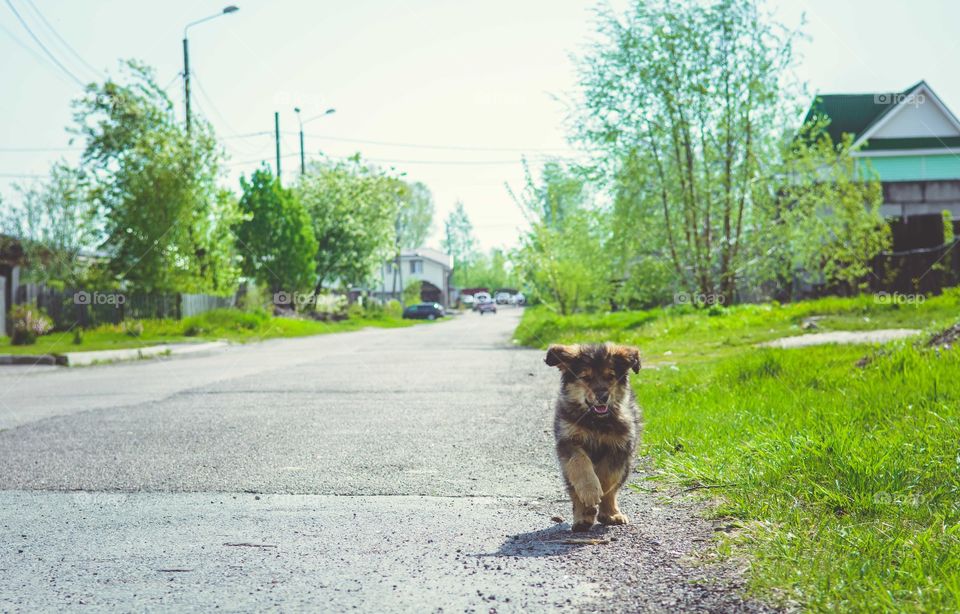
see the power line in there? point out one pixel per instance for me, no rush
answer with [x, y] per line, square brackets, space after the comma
[23, 45]
[396, 161]
[203, 92]
[67, 45]
[248, 135]
[266, 158]
[172, 81]
[37, 149]
[21, 175]
[37, 40]
[424, 146]
[446, 162]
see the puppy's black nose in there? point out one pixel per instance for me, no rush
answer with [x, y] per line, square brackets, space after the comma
[603, 397]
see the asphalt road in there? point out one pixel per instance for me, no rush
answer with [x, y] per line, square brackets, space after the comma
[383, 470]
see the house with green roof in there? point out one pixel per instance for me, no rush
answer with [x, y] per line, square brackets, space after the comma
[912, 141]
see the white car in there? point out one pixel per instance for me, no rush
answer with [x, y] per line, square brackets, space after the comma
[468, 299]
[518, 299]
[480, 298]
[503, 298]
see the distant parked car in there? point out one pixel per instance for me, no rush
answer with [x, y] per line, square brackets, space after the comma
[518, 299]
[424, 311]
[480, 298]
[503, 298]
[468, 300]
[487, 307]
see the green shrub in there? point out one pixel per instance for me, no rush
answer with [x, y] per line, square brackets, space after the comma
[356, 311]
[331, 305]
[392, 309]
[224, 320]
[132, 328]
[254, 298]
[29, 322]
[375, 310]
[411, 293]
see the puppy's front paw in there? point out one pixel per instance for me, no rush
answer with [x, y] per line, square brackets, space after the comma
[581, 526]
[590, 493]
[618, 518]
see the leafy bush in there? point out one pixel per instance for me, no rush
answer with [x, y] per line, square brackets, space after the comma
[331, 304]
[649, 283]
[411, 293]
[356, 311]
[29, 322]
[217, 320]
[254, 297]
[370, 309]
[393, 309]
[132, 328]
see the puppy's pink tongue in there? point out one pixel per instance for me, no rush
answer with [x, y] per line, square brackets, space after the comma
[600, 409]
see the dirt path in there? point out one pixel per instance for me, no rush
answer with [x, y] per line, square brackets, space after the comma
[859, 336]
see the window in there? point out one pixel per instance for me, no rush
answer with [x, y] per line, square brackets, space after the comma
[416, 266]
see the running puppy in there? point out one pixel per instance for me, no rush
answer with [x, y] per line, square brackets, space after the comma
[595, 427]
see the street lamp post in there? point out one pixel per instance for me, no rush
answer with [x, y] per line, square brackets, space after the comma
[303, 160]
[186, 56]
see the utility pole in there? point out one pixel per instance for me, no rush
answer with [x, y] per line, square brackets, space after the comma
[186, 57]
[186, 78]
[303, 160]
[276, 128]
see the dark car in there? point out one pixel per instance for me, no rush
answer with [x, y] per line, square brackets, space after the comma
[424, 311]
[487, 307]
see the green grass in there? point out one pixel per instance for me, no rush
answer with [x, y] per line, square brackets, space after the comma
[684, 334]
[845, 480]
[227, 324]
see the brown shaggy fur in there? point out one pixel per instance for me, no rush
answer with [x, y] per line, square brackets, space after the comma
[596, 427]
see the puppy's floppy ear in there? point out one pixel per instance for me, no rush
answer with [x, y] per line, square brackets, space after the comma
[627, 356]
[561, 355]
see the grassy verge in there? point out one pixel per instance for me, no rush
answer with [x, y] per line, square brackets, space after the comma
[845, 479]
[686, 335]
[228, 324]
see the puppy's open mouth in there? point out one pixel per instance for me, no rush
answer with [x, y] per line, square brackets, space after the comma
[599, 410]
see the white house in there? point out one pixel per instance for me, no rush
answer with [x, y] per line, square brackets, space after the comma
[431, 267]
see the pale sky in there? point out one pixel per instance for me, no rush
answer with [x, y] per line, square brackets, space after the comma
[453, 93]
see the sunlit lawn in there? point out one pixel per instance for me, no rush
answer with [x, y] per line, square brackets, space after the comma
[226, 324]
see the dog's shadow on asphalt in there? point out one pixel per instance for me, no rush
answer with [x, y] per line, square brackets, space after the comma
[554, 540]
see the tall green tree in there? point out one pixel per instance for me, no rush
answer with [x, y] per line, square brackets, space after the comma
[276, 237]
[562, 259]
[459, 242]
[688, 107]
[414, 214]
[685, 101]
[54, 224]
[167, 224]
[493, 270]
[353, 210]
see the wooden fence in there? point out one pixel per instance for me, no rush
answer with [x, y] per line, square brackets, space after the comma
[925, 270]
[84, 308]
